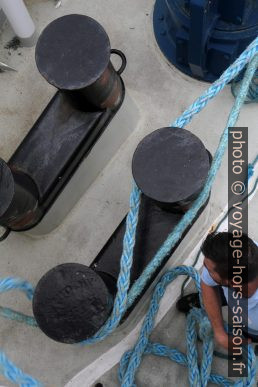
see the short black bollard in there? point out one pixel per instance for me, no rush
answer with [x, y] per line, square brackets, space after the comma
[170, 167]
[71, 303]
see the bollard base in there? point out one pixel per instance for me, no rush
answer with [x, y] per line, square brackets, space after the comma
[29, 41]
[122, 125]
[153, 228]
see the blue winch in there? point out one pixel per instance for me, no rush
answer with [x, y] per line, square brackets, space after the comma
[203, 37]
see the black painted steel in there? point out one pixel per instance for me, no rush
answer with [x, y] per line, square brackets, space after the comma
[73, 54]
[71, 302]
[170, 166]
[6, 187]
[55, 146]
[80, 51]
[153, 228]
[19, 198]
[54, 141]
[155, 223]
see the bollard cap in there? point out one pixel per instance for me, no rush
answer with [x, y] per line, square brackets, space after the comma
[71, 303]
[72, 52]
[170, 165]
[6, 187]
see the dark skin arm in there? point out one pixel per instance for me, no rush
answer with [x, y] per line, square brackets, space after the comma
[212, 304]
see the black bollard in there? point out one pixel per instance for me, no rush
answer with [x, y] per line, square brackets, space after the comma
[73, 54]
[80, 65]
[71, 303]
[170, 166]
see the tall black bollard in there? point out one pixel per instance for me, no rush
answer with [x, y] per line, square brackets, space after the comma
[170, 167]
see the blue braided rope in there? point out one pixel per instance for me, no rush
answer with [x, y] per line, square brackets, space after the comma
[9, 370]
[252, 95]
[218, 85]
[16, 375]
[251, 168]
[10, 283]
[123, 281]
[199, 375]
[10, 314]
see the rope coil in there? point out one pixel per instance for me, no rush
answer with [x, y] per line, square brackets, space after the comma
[199, 375]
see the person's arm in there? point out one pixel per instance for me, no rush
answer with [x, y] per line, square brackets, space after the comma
[212, 304]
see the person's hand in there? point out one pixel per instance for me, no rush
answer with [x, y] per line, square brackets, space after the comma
[222, 339]
[225, 341]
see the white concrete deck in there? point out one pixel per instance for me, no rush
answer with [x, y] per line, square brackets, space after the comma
[161, 93]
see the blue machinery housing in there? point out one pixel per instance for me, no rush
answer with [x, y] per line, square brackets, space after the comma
[203, 37]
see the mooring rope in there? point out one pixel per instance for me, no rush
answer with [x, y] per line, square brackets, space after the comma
[252, 95]
[199, 375]
[124, 299]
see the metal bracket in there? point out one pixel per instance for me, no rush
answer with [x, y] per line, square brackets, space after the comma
[203, 17]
